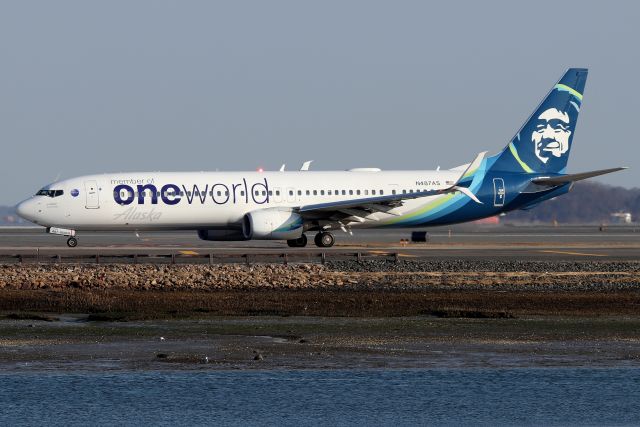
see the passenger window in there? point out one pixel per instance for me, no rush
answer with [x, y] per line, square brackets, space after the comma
[344, 193]
[351, 192]
[242, 193]
[381, 192]
[291, 192]
[315, 192]
[393, 191]
[308, 192]
[299, 192]
[277, 192]
[358, 192]
[329, 192]
[256, 193]
[264, 193]
[270, 192]
[404, 191]
[226, 193]
[373, 192]
[219, 193]
[322, 192]
[366, 192]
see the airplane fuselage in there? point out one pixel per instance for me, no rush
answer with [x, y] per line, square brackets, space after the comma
[200, 200]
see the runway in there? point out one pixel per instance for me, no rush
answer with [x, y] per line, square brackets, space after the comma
[565, 243]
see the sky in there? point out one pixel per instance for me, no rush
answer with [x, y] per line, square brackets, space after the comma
[117, 86]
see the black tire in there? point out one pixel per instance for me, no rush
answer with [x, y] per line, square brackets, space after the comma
[324, 239]
[72, 242]
[298, 243]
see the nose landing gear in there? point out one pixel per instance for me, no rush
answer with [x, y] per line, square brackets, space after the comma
[72, 242]
[324, 239]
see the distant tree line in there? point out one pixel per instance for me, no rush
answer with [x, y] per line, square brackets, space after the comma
[587, 202]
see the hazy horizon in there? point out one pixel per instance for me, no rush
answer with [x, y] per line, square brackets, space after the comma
[194, 85]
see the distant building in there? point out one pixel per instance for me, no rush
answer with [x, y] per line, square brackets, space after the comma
[621, 218]
[492, 220]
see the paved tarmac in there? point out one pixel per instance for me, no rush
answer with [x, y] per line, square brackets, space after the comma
[470, 242]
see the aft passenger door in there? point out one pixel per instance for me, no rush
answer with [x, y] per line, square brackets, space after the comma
[499, 192]
[92, 197]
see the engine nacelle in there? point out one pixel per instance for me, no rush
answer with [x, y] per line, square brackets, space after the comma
[221, 235]
[272, 224]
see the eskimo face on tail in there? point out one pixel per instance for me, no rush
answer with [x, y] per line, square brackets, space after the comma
[543, 143]
[552, 134]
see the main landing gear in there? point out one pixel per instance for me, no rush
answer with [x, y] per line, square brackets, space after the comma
[324, 239]
[298, 243]
[72, 242]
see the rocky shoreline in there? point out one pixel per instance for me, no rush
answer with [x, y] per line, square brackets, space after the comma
[341, 275]
[478, 289]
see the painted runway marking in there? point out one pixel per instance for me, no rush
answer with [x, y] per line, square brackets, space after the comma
[390, 253]
[189, 253]
[570, 253]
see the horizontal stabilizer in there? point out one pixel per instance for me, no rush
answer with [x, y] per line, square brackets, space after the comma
[565, 179]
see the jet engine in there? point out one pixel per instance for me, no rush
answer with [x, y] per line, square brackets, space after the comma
[272, 224]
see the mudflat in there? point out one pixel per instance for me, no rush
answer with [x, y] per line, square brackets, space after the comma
[265, 342]
[303, 316]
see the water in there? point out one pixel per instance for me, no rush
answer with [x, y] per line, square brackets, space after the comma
[549, 396]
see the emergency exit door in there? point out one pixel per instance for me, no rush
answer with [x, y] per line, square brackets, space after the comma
[91, 192]
[498, 192]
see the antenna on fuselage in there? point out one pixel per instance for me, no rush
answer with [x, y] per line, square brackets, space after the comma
[282, 167]
[306, 165]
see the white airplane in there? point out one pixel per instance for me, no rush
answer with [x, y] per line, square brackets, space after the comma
[284, 205]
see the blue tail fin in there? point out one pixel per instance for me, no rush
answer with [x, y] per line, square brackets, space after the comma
[544, 142]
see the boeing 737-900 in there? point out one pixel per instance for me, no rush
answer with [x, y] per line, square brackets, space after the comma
[285, 205]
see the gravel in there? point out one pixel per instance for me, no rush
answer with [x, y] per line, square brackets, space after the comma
[335, 275]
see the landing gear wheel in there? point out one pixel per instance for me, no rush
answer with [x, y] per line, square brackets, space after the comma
[72, 242]
[324, 239]
[298, 243]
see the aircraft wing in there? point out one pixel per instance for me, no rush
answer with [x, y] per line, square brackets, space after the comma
[553, 181]
[366, 206]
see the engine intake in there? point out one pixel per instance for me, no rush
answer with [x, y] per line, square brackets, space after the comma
[272, 224]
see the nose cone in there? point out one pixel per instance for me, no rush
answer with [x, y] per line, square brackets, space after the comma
[26, 209]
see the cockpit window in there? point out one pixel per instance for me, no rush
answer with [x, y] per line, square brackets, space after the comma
[50, 193]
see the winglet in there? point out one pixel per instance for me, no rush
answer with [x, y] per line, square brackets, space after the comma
[473, 166]
[470, 170]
